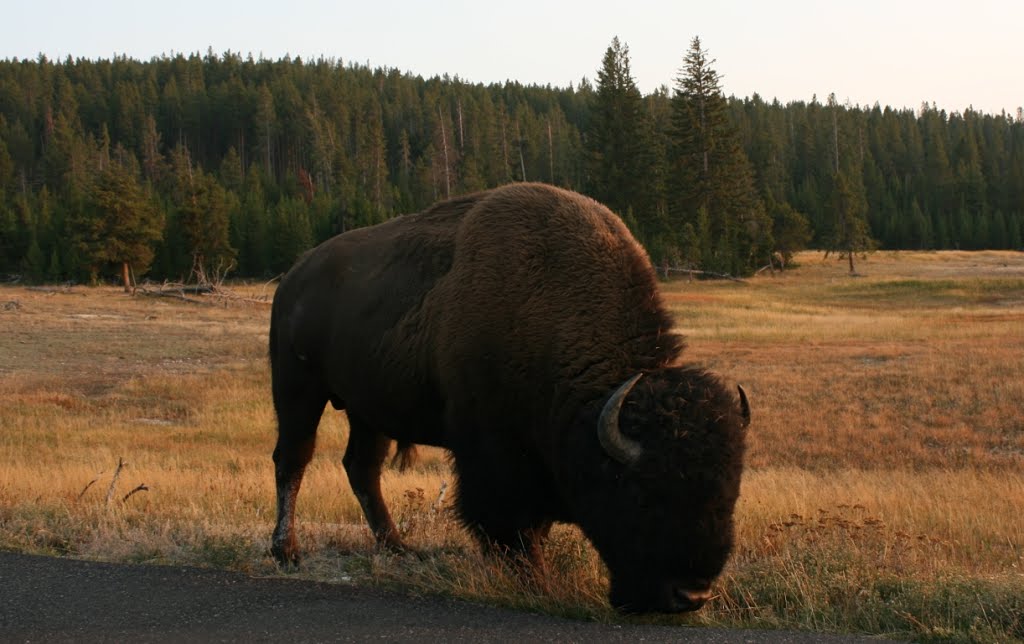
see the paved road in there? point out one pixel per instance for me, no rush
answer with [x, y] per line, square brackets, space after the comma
[44, 599]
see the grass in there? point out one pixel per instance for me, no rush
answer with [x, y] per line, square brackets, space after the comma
[883, 491]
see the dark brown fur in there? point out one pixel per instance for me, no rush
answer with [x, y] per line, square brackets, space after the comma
[496, 326]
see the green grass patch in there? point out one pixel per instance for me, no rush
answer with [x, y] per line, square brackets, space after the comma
[915, 293]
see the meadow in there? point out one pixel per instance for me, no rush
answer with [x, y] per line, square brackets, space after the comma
[882, 495]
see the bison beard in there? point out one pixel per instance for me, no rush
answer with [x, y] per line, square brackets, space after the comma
[522, 330]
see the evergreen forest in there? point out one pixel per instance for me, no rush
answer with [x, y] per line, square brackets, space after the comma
[124, 169]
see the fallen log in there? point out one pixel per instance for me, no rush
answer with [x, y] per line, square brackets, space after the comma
[711, 274]
[174, 295]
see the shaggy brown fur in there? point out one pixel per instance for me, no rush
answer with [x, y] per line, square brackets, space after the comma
[496, 325]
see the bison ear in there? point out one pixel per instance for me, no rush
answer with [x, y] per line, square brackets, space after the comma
[744, 407]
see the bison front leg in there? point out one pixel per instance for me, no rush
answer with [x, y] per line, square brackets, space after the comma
[502, 512]
[363, 460]
[520, 546]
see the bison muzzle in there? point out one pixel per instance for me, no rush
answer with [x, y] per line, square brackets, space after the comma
[521, 329]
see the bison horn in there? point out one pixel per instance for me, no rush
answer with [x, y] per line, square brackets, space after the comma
[744, 407]
[622, 449]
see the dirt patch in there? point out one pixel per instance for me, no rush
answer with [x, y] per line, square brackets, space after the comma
[91, 340]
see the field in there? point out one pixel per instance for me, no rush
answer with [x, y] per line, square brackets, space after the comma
[884, 482]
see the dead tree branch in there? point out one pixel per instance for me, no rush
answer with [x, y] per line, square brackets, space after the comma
[172, 293]
[89, 485]
[141, 488]
[439, 502]
[219, 295]
[113, 482]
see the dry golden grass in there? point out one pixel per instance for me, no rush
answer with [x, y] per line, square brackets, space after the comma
[885, 473]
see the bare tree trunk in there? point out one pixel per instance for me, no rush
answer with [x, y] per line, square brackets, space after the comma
[444, 146]
[519, 140]
[551, 154]
[126, 276]
[462, 133]
[835, 137]
[117, 472]
[505, 151]
[703, 131]
[849, 254]
[860, 141]
[266, 127]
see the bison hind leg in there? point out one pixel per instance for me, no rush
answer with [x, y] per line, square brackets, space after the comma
[298, 415]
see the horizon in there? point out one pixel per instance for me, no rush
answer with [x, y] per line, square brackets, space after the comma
[571, 85]
[896, 55]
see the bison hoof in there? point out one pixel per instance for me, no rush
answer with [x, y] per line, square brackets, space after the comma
[406, 551]
[286, 555]
[394, 546]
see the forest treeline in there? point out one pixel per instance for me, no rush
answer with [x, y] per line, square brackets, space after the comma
[221, 161]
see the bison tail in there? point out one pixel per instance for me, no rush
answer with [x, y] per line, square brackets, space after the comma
[405, 456]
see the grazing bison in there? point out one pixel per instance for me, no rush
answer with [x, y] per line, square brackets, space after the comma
[520, 329]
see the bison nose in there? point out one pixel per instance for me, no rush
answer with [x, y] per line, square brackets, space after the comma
[686, 599]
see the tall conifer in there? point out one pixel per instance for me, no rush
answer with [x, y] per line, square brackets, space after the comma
[711, 173]
[120, 226]
[618, 141]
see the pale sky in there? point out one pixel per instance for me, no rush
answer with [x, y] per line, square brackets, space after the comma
[896, 52]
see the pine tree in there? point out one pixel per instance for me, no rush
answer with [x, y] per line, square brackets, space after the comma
[205, 216]
[34, 263]
[153, 163]
[54, 271]
[9, 251]
[252, 231]
[1015, 233]
[921, 236]
[790, 230]
[711, 173]
[290, 233]
[231, 172]
[265, 123]
[689, 247]
[370, 158]
[850, 234]
[618, 141]
[119, 227]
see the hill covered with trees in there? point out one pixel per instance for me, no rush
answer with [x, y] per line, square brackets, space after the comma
[152, 168]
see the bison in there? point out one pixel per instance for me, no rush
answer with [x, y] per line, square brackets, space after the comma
[521, 329]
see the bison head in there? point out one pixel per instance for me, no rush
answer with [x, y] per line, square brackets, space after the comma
[659, 505]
